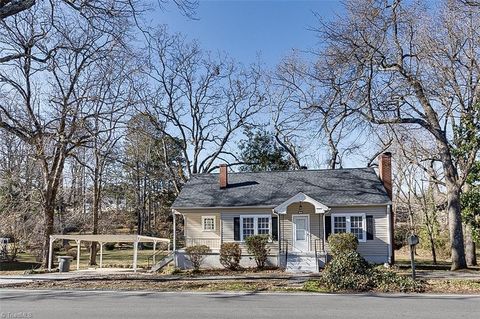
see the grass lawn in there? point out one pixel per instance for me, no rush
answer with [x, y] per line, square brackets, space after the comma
[423, 258]
[120, 257]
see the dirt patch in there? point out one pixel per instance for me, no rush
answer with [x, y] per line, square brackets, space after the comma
[456, 286]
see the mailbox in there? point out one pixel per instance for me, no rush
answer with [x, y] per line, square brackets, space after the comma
[413, 240]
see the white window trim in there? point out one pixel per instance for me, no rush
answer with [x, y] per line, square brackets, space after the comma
[255, 224]
[347, 217]
[214, 223]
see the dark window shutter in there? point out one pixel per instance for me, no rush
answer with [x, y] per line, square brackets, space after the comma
[236, 228]
[370, 230]
[328, 226]
[274, 228]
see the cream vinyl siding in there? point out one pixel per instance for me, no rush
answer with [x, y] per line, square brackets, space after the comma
[223, 224]
[194, 227]
[379, 245]
[316, 224]
[228, 231]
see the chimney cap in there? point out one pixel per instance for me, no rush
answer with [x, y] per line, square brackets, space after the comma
[389, 154]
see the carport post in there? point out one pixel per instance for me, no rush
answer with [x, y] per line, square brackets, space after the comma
[78, 253]
[174, 231]
[154, 250]
[135, 251]
[101, 254]
[50, 253]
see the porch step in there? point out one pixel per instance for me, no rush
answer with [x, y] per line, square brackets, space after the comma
[162, 263]
[301, 263]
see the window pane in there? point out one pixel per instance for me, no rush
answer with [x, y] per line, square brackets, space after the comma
[209, 223]
[263, 225]
[356, 226]
[339, 224]
[248, 227]
[300, 234]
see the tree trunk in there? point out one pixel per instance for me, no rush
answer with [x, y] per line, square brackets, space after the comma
[455, 227]
[93, 246]
[470, 247]
[49, 209]
[432, 246]
[96, 208]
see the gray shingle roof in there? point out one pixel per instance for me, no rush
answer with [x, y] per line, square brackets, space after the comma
[354, 186]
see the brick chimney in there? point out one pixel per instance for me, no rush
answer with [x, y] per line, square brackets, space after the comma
[223, 176]
[385, 171]
[385, 174]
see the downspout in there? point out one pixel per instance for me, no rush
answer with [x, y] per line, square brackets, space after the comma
[391, 258]
[279, 236]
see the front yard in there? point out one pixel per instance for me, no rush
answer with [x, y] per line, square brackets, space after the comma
[248, 282]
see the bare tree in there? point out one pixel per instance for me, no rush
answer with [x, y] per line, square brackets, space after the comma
[45, 92]
[199, 101]
[92, 9]
[312, 99]
[108, 109]
[409, 65]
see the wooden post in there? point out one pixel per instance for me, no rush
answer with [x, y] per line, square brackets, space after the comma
[154, 250]
[135, 251]
[101, 255]
[174, 239]
[79, 242]
[412, 260]
[50, 254]
[174, 232]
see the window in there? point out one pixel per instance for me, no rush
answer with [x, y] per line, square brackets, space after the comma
[350, 223]
[254, 225]
[208, 223]
[339, 224]
[356, 226]
[248, 227]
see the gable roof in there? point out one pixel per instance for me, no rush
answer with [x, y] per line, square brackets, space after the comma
[340, 187]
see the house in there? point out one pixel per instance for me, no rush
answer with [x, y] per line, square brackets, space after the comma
[298, 209]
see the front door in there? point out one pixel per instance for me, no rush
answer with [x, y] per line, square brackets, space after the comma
[301, 232]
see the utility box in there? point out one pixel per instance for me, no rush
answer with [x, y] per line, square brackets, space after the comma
[64, 263]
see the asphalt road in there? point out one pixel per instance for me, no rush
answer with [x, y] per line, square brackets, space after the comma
[86, 304]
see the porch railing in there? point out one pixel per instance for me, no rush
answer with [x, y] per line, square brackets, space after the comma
[212, 243]
[284, 249]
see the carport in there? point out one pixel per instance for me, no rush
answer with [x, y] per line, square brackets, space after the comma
[103, 239]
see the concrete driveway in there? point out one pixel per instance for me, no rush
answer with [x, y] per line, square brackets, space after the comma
[87, 304]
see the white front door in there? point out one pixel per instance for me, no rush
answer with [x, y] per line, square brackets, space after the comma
[301, 232]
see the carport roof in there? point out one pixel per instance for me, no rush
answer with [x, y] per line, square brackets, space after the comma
[106, 238]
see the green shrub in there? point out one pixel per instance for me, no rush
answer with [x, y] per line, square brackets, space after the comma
[352, 272]
[348, 272]
[197, 254]
[257, 246]
[342, 243]
[389, 281]
[230, 255]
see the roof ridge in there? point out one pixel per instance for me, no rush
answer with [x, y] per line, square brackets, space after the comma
[295, 170]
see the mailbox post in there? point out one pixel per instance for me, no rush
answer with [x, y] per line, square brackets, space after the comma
[413, 241]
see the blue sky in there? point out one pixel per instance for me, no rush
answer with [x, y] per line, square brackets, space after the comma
[246, 28]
